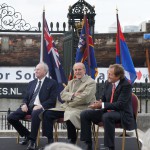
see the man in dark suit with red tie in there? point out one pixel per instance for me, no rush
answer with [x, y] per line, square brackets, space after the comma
[41, 94]
[110, 110]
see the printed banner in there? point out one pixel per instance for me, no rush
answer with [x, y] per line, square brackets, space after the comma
[26, 74]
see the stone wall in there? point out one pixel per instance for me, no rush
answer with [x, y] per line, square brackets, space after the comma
[13, 104]
[105, 48]
[24, 50]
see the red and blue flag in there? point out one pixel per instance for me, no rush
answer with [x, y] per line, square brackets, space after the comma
[85, 51]
[123, 55]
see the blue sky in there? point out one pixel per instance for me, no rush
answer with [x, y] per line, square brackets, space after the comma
[131, 12]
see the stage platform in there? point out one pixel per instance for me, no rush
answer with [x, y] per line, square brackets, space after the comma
[9, 143]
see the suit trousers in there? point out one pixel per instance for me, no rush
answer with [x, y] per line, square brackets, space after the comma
[108, 118]
[14, 119]
[35, 123]
[71, 130]
[49, 116]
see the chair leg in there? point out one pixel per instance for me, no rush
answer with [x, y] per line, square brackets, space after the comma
[18, 138]
[137, 138]
[77, 133]
[38, 136]
[96, 138]
[55, 132]
[93, 131]
[123, 139]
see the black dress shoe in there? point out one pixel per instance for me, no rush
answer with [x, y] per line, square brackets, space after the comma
[104, 148]
[50, 141]
[111, 148]
[24, 141]
[71, 141]
[42, 148]
[107, 148]
[31, 146]
[88, 146]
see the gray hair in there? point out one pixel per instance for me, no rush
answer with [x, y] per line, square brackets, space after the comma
[45, 66]
[62, 146]
[79, 63]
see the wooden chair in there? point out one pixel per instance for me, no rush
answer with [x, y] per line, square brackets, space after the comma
[56, 124]
[61, 120]
[27, 118]
[135, 105]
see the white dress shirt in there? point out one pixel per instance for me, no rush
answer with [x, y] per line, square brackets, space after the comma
[37, 100]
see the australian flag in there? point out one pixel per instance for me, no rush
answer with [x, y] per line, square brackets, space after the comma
[51, 57]
[85, 51]
[123, 55]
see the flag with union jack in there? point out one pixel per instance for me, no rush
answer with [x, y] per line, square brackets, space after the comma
[123, 55]
[51, 57]
[85, 51]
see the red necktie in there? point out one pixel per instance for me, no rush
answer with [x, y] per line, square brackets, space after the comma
[112, 93]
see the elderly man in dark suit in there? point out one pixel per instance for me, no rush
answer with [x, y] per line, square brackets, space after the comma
[41, 94]
[114, 106]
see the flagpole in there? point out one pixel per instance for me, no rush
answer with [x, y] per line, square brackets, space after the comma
[87, 42]
[118, 31]
[42, 36]
[123, 53]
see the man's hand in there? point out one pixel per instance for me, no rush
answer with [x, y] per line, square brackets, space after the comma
[24, 108]
[77, 93]
[96, 105]
[37, 107]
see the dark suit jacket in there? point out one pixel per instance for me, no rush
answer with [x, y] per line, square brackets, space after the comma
[47, 95]
[121, 102]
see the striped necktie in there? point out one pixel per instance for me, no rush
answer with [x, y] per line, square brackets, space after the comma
[31, 104]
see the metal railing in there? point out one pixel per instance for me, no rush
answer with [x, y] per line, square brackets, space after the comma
[4, 125]
[3, 121]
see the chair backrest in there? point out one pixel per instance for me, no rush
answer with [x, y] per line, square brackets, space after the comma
[135, 104]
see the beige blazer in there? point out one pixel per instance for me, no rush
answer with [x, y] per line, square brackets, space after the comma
[74, 105]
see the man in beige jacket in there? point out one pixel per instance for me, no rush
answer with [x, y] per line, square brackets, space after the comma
[77, 95]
